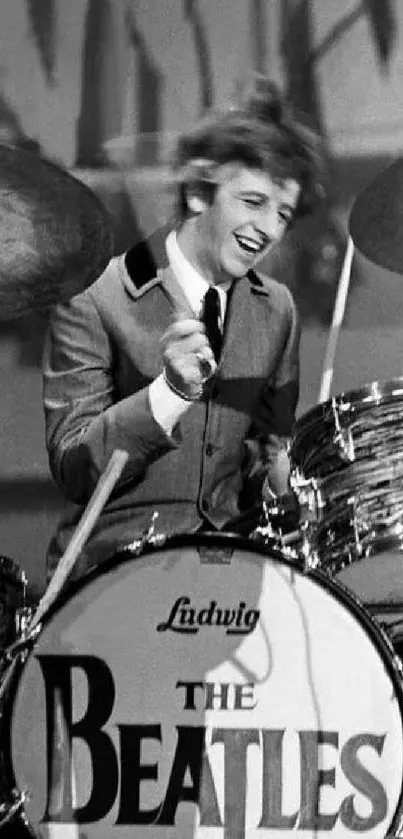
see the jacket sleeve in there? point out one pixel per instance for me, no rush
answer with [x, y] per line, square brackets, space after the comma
[84, 422]
[266, 447]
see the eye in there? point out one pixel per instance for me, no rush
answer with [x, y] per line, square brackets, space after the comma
[253, 202]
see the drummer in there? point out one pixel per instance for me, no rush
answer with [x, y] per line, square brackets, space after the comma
[203, 407]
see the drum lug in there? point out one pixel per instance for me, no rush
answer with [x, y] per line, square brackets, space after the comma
[309, 497]
[10, 811]
[266, 530]
[361, 530]
[23, 617]
[149, 537]
[309, 554]
[343, 437]
[22, 646]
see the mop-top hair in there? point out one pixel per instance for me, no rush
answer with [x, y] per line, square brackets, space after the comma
[257, 131]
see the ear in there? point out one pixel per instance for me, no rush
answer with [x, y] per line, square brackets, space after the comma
[196, 201]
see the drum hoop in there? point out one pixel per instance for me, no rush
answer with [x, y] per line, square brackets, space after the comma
[373, 393]
[154, 548]
[341, 593]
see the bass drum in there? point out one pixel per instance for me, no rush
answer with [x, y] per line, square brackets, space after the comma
[207, 688]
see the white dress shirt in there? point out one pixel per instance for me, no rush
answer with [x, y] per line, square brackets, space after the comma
[166, 406]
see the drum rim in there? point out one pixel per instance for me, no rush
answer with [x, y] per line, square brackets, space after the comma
[342, 594]
[126, 554]
[372, 393]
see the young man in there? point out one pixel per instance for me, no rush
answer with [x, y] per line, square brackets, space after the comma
[128, 363]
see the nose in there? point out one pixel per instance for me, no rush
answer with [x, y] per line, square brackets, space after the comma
[268, 223]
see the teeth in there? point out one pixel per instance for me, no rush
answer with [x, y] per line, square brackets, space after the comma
[250, 244]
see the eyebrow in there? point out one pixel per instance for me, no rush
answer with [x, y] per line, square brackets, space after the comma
[256, 192]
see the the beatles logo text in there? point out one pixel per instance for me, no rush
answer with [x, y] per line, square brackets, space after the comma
[120, 770]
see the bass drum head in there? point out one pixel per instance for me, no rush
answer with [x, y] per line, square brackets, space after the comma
[209, 690]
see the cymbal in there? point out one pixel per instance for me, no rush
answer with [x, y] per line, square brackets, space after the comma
[55, 234]
[376, 219]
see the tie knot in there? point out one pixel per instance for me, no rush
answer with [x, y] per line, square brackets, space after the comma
[211, 318]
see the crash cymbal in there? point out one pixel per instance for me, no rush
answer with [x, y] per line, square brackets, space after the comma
[55, 235]
[376, 219]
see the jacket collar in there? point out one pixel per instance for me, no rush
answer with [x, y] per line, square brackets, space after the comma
[257, 284]
[146, 265]
[143, 261]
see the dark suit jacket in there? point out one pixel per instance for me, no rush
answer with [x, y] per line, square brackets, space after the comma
[101, 354]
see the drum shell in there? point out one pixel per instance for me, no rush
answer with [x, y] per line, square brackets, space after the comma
[349, 451]
[225, 571]
[371, 414]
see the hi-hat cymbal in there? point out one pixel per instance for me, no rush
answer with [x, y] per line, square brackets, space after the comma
[55, 234]
[376, 219]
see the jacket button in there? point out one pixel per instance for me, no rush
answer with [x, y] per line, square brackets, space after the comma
[209, 450]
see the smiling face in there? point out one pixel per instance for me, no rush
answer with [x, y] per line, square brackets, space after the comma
[249, 214]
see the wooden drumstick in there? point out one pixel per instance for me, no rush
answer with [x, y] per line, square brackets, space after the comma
[88, 520]
[338, 314]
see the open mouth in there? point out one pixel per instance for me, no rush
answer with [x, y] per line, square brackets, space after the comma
[250, 247]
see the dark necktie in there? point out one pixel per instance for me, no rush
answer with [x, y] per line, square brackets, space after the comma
[211, 319]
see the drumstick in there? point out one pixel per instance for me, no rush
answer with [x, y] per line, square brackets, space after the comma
[88, 520]
[338, 314]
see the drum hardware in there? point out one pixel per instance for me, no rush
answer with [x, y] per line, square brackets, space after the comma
[149, 537]
[9, 812]
[308, 494]
[22, 646]
[307, 550]
[14, 656]
[269, 530]
[296, 545]
[343, 438]
[266, 529]
[23, 617]
[360, 529]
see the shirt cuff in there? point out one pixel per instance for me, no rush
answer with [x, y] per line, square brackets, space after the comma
[166, 406]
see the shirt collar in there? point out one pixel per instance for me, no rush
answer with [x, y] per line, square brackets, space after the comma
[193, 284]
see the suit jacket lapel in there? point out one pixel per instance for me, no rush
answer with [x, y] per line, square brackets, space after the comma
[246, 325]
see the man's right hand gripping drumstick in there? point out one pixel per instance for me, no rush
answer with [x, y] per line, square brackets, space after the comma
[188, 358]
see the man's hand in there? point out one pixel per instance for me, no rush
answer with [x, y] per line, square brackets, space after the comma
[187, 357]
